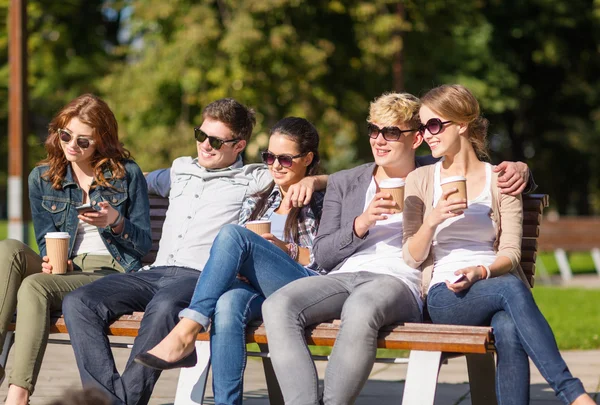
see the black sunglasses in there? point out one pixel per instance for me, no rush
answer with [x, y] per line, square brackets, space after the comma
[66, 137]
[215, 143]
[434, 126]
[284, 160]
[389, 133]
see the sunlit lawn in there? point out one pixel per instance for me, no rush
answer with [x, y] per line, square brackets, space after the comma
[573, 313]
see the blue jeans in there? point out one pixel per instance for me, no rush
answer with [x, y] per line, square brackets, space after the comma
[231, 304]
[520, 331]
[161, 292]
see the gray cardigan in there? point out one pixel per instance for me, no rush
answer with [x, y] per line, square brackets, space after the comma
[344, 201]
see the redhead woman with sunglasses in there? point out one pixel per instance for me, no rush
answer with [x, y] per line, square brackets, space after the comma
[470, 249]
[86, 165]
[244, 267]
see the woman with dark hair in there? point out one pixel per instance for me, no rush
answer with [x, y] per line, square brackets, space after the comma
[244, 267]
[470, 253]
[86, 164]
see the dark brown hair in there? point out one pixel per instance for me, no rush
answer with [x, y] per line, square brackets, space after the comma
[457, 104]
[238, 118]
[109, 153]
[305, 135]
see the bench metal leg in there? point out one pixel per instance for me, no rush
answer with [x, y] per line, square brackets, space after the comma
[8, 342]
[192, 381]
[275, 395]
[563, 264]
[421, 377]
[596, 258]
[482, 373]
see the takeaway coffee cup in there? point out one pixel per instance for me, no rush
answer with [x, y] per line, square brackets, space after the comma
[57, 249]
[396, 188]
[457, 182]
[259, 227]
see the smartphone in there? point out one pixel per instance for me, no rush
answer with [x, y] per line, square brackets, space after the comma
[456, 279]
[82, 209]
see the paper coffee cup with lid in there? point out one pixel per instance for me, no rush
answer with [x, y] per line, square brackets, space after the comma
[455, 182]
[396, 188]
[259, 227]
[57, 250]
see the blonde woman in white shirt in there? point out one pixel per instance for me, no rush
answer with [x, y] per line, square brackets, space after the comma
[474, 252]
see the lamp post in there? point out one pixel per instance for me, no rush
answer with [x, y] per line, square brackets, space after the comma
[18, 207]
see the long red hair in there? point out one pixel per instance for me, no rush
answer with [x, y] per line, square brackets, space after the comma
[109, 153]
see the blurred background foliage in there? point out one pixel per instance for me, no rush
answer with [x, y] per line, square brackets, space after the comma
[534, 65]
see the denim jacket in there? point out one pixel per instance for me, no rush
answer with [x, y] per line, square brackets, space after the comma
[54, 211]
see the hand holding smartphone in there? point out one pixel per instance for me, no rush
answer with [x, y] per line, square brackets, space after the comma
[82, 209]
[457, 278]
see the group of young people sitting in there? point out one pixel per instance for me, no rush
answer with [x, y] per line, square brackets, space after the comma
[344, 253]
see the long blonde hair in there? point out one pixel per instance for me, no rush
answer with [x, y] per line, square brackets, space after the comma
[457, 104]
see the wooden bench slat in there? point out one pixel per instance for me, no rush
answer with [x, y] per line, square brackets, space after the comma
[531, 231]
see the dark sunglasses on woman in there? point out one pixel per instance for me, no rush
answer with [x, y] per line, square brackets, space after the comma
[389, 133]
[65, 136]
[284, 160]
[434, 126]
[214, 142]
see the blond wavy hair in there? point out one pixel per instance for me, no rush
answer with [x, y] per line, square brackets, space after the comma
[457, 104]
[392, 109]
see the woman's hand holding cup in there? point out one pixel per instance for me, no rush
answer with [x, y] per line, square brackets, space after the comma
[446, 209]
[277, 242]
[47, 267]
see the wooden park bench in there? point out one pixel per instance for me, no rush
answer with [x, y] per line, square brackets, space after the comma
[571, 234]
[430, 345]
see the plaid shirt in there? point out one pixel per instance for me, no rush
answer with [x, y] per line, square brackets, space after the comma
[308, 221]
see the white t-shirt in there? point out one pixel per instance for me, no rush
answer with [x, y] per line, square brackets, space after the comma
[88, 240]
[278, 225]
[465, 240]
[382, 252]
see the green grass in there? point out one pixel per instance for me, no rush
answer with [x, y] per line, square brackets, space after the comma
[573, 315]
[4, 234]
[581, 263]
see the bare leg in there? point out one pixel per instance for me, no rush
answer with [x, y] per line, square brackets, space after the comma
[584, 399]
[17, 395]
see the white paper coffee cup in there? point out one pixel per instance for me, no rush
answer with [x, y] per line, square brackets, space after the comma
[57, 249]
[396, 188]
[457, 182]
[259, 227]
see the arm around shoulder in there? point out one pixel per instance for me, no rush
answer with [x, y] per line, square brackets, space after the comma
[159, 182]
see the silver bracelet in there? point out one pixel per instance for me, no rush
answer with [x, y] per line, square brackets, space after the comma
[293, 251]
[117, 221]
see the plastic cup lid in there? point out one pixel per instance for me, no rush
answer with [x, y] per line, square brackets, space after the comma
[391, 183]
[57, 235]
[259, 222]
[453, 179]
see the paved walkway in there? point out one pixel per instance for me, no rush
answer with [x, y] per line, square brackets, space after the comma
[59, 372]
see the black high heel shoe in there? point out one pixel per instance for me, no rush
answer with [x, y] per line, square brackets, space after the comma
[150, 360]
